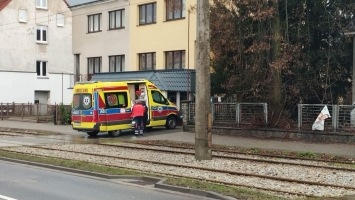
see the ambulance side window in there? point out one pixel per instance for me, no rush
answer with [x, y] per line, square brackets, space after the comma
[158, 97]
[116, 100]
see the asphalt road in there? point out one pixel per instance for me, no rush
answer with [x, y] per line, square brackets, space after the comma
[22, 182]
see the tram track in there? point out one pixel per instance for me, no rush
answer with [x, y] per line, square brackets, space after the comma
[216, 152]
[234, 173]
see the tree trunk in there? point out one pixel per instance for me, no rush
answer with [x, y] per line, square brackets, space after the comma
[275, 55]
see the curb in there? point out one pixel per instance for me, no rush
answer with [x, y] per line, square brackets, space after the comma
[158, 182]
[30, 129]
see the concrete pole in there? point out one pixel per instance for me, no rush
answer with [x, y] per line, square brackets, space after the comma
[203, 119]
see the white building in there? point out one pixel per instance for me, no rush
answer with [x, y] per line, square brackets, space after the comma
[36, 59]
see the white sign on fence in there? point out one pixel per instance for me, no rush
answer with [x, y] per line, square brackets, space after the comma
[319, 123]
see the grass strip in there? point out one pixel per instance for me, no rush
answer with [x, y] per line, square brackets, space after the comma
[236, 192]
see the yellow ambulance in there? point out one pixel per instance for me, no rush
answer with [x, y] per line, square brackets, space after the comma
[106, 106]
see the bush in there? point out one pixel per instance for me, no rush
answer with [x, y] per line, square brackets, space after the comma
[65, 115]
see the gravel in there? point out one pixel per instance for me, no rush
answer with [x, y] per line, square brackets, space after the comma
[336, 177]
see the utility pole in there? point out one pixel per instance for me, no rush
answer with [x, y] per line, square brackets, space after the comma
[203, 119]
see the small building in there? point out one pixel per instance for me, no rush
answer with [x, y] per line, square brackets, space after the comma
[176, 85]
[36, 60]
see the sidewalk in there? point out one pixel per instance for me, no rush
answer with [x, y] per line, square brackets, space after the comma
[297, 146]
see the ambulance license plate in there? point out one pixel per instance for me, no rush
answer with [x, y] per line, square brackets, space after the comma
[76, 123]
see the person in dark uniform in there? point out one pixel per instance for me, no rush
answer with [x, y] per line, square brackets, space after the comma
[145, 117]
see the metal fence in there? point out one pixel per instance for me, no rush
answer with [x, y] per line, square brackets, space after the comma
[30, 111]
[342, 117]
[235, 114]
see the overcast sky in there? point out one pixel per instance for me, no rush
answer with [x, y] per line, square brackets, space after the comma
[75, 2]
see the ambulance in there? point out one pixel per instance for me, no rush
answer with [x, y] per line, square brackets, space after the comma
[106, 106]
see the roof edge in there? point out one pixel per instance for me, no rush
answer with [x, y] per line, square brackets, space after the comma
[155, 70]
[65, 1]
[90, 3]
[5, 4]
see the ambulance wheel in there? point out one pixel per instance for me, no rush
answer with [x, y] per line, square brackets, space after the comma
[115, 133]
[170, 122]
[92, 133]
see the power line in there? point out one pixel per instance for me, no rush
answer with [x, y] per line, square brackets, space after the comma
[48, 16]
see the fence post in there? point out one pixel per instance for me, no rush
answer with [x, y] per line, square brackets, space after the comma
[237, 113]
[7, 110]
[37, 108]
[335, 113]
[299, 116]
[56, 114]
[185, 108]
[13, 108]
[212, 112]
[265, 112]
[22, 110]
[2, 110]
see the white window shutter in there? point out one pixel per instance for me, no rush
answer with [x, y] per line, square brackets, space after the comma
[22, 15]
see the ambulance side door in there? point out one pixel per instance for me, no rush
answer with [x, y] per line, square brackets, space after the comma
[158, 107]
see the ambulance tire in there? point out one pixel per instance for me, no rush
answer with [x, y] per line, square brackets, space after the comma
[115, 133]
[171, 122]
[92, 133]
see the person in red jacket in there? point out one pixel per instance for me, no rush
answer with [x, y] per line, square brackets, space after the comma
[138, 115]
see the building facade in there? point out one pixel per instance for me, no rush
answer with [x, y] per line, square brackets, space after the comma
[147, 35]
[36, 59]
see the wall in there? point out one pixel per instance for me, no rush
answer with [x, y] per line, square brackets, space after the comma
[19, 87]
[19, 51]
[100, 44]
[163, 35]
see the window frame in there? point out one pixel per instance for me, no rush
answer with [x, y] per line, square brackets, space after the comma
[93, 22]
[42, 40]
[125, 105]
[153, 64]
[154, 13]
[63, 18]
[93, 66]
[41, 70]
[182, 12]
[41, 4]
[25, 16]
[122, 63]
[160, 94]
[81, 99]
[122, 18]
[182, 62]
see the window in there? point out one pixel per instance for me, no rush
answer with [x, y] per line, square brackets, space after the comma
[82, 101]
[175, 9]
[116, 100]
[158, 97]
[60, 20]
[41, 34]
[146, 61]
[22, 15]
[94, 23]
[175, 59]
[41, 68]
[41, 4]
[116, 63]
[147, 13]
[94, 66]
[116, 19]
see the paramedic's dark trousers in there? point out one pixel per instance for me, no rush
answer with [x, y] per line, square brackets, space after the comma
[138, 126]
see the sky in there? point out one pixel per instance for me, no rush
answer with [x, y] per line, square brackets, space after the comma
[75, 2]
